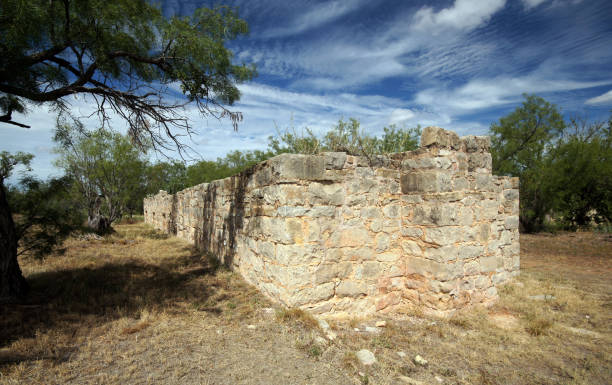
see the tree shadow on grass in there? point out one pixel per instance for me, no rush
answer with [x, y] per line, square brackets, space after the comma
[69, 300]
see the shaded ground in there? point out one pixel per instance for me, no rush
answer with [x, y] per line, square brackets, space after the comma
[135, 307]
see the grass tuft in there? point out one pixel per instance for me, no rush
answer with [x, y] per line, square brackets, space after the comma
[296, 315]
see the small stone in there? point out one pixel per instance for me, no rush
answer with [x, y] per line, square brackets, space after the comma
[410, 381]
[439, 379]
[323, 324]
[542, 297]
[381, 324]
[420, 360]
[372, 329]
[356, 329]
[401, 354]
[267, 310]
[331, 335]
[366, 357]
[252, 327]
[320, 340]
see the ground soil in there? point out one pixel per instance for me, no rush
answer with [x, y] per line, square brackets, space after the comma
[137, 307]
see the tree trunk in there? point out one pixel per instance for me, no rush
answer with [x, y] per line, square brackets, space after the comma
[13, 285]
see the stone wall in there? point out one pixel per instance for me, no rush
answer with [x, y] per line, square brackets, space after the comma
[345, 235]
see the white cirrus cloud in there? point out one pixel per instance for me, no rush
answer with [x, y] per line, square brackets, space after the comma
[601, 99]
[463, 15]
[479, 94]
[532, 3]
[313, 18]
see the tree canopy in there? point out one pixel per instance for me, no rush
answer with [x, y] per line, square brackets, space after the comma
[565, 169]
[127, 56]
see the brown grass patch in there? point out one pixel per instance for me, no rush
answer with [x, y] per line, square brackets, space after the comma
[299, 316]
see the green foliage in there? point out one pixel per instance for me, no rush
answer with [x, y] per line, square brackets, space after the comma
[346, 136]
[9, 161]
[123, 52]
[565, 170]
[103, 164]
[520, 146]
[167, 176]
[582, 174]
[45, 214]
[397, 139]
[292, 142]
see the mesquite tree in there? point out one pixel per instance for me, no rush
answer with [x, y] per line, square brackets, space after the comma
[128, 59]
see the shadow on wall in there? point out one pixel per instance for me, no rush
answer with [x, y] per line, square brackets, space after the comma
[222, 244]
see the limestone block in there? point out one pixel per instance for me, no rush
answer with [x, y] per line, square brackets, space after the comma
[318, 293]
[334, 160]
[391, 211]
[298, 167]
[476, 143]
[470, 251]
[326, 194]
[266, 250]
[480, 162]
[436, 136]
[446, 235]
[511, 222]
[426, 267]
[388, 256]
[482, 281]
[376, 226]
[410, 231]
[387, 300]
[425, 181]
[490, 263]
[370, 212]
[442, 254]
[292, 211]
[442, 287]
[382, 242]
[351, 236]
[411, 248]
[361, 254]
[351, 289]
[471, 268]
[322, 211]
[334, 255]
[511, 195]
[293, 254]
[370, 270]
[460, 183]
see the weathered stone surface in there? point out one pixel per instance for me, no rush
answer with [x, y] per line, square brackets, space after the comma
[366, 357]
[296, 166]
[426, 181]
[436, 136]
[351, 289]
[334, 160]
[335, 233]
[476, 143]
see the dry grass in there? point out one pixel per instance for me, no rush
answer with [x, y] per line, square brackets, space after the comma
[140, 307]
[299, 316]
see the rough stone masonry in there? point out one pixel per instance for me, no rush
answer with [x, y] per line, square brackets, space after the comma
[343, 235]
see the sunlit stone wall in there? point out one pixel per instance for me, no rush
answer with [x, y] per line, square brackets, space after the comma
[346, 235]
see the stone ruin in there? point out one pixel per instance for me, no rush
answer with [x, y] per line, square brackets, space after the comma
[343, 235]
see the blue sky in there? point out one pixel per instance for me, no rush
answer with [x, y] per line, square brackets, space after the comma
[457, 64]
